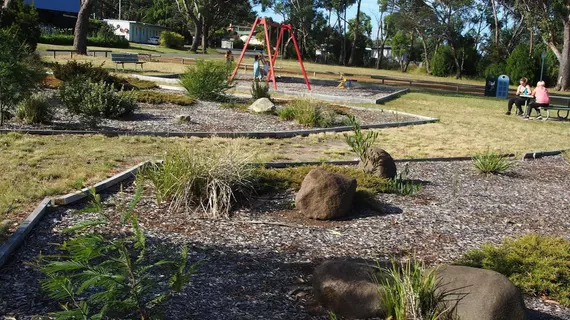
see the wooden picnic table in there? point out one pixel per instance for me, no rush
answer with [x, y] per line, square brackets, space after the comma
[71, 51]
[96, 51]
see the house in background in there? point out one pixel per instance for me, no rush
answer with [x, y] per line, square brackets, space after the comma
[58, 13]
[135, 31]
[242, 32]
[386, 53]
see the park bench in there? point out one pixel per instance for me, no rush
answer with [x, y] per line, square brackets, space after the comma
[100, 51]
[559, 108]
[71, 51]
[122, 58]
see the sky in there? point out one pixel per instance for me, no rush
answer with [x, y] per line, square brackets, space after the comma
[370, 7]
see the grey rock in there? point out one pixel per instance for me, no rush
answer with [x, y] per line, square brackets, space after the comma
[262, 105]
[479, 294]
[325, 195]
[183, 118]
[380, 163]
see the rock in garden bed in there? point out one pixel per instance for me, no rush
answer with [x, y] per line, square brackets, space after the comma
[259, 263]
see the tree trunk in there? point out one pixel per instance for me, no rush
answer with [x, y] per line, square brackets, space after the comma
[205, 32]
[531, 43]
[496, 24]
[82, 27]
[355, 35]
[426, 52]
[197, 37]
[456, 61]
[564, 58]
[6, 4]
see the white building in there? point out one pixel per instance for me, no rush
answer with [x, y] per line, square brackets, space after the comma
[135, 31]
[374, 52]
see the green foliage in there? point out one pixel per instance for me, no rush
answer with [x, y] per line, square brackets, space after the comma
[20, 72]
[401, 184]
[209, 180]
[100, 277]
[492, 163]
[360, 143]
[157, 97]
[67, 40]
[412, 292]
[22, 22]
[141, 84]
[73, 69]
[442, 62]
[207, 80]
[37, 108]
[520, 65]
[93, 101]
[539, 265]
[259, 90]
[308, 113]
[496, 69]
[234, 106]
[171, 40]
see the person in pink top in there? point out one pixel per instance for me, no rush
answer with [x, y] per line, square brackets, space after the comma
[542, 99]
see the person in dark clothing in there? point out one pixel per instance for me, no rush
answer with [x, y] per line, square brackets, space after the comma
[523, 89]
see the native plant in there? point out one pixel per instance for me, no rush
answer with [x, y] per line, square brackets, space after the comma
[207, 80]
[207, 181]
[492, 163]
[359, 142]
[401, 185]
[20, 72]
[411, 291]
[37, 108]
[259, 90]
[103, 276]
[308, 113]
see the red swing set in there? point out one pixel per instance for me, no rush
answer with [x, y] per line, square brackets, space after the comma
[272, 58]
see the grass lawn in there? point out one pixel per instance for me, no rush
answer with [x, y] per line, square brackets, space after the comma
[33, 167]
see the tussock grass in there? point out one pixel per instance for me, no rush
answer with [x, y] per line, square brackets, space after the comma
[158, 97]
[492, 163]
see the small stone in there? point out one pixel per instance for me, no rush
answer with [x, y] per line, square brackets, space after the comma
[262, 105]
[183, 118]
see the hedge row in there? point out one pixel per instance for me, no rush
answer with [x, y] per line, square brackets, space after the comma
[63, 39]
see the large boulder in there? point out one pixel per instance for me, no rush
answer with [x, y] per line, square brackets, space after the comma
[380, 163]
[262, 105]
[347, 289]
[325, 195]
[480, 294]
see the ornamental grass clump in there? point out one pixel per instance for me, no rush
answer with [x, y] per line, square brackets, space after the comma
[259, 90]
[37, 108]
[412, 292]
[207, 80]
[206, 181]
[308, 113]
[539, 265]
[492, 163]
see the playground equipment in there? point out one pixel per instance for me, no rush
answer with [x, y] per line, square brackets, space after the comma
[272, 57]
[345, 83]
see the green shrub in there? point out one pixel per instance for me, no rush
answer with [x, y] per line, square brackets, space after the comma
[67, 40]
[442, 64]
[401, 185]
[37, 108]
[360, 143]
[538, 265]
[492, 163]
[97, 276]
[259, 90]
[412, 292]
[141, 84]
[207, 181]
[157, 97]
[308, 113]
[22, 22]
[74, 69]
[207, 80]
[520, 65]
[20, 72]
[171, 40]
[95, 101]
[496, 69]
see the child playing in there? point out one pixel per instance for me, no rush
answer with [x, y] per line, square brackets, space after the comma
[542, 100]
[229, 57]
[523, 89]
[256, 68]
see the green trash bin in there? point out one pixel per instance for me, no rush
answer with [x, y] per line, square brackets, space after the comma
[491, 86]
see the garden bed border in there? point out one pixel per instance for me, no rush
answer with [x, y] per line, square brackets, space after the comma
[18, 237]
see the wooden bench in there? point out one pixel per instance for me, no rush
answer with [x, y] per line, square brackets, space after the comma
[71, 51]
[189, 59]
[122, 58]
[96, 51]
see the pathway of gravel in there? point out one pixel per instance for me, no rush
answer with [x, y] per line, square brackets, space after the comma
[258, 264]
[204, 117]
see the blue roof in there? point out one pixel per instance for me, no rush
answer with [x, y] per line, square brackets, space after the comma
[56, 5]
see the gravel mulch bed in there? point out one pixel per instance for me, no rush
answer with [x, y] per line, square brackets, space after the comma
[258, 264]
[204, 117]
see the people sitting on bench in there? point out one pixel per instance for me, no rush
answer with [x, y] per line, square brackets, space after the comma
[542, 100]
[523, 89]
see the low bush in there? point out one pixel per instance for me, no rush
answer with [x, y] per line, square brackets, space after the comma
[37, 108]
[308, 113]
[411, 291]
[519, 65]
[141, 84]
[538, 265]
[157, 97]
[74, 69]
[207, 181]
[259, 90]
[492, 163]
[95, 101]
[67, 40]
[97, 276]
[442, 64]
[207, 80]
[171, 40]
[360, 143]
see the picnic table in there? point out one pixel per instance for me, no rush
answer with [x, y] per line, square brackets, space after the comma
[560, 108]
[96, 51]
[71, 51]
[527, 99]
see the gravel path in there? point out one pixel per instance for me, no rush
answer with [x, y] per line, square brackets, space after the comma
[204, 117]
[258, 264]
